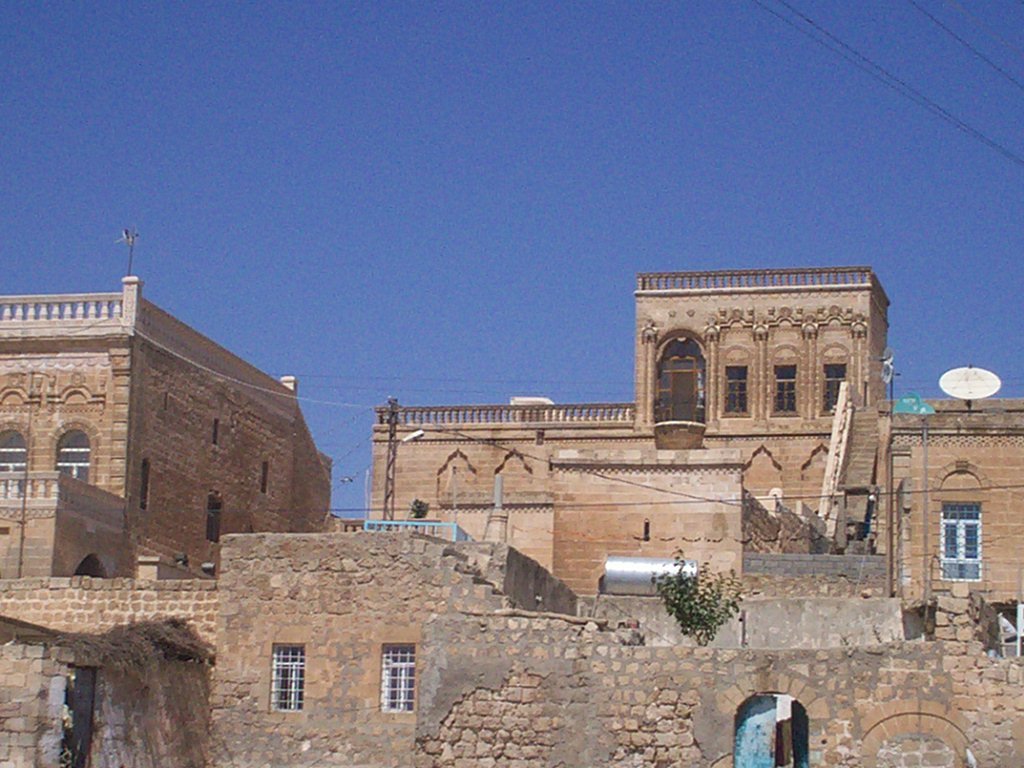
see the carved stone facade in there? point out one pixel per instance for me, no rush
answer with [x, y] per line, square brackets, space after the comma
[125, 432]
[737, 369]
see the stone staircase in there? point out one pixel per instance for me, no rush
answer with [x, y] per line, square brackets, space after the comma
[858, 478]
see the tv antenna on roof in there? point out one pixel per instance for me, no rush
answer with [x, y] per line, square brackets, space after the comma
[969, 384]
[128, 237]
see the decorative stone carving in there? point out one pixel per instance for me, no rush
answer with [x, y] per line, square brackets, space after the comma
[649, 333]
[809, 330]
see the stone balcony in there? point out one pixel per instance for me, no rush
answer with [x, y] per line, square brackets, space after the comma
[53, 522]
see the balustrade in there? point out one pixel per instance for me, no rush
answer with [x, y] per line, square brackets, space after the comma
[470, 415]
[754, 278]
[72, 308]
[37, 486]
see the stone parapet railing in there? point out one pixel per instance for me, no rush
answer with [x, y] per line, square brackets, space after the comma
[534, 415]
[68, 308]
[755, 278]
[41, 494]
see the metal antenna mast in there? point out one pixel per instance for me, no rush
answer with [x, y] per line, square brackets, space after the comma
[389, 473]
[128, 236]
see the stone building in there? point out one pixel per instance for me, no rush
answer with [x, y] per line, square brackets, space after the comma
[749, 385]
[394, 649]
[959, 475]
[126, 433]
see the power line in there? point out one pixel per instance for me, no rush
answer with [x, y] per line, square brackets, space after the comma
[984, 27]
[967, 44]
[884, 76]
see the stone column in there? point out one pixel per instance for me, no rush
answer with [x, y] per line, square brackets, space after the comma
[859, 331]
[761, 400]
[645, 374]
[131, 295]
[811, 406]
[712, 376]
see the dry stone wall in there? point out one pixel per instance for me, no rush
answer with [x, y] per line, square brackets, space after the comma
[341, 597]
[84, 604]
[31, 697]
[515, 691]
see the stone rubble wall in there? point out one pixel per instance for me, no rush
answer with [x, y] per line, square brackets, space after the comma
[518, 692]
[31, 698]
[84, 604]
[342, 597]
[806, 575]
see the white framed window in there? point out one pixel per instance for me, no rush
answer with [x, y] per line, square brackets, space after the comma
[398, 678]
[288, 683]
[961, 541]
[73, 455]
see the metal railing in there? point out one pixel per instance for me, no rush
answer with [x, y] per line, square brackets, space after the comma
[439, 530]
[754, 278]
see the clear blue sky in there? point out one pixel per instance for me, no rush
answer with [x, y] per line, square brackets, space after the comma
[449, 202]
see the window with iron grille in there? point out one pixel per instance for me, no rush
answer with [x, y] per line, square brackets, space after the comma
[398, 678]
[785, 389]
[13, 453]
[961, 541]
[289, 678]
[835, 374]
[735, 389]
[73, 455]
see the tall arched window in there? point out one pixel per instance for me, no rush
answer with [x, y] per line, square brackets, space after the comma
[13, 453]
[73, 455]
[680, 382]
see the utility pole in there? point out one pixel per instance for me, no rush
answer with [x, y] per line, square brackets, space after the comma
[389, 472]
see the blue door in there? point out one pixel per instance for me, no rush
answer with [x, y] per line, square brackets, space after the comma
[755, 734]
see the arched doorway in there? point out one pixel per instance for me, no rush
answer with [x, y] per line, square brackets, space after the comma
[90, 566]
[771, 731]
[680, 382]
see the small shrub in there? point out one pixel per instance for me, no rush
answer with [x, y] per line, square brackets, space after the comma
[419, 509]
[700, 604]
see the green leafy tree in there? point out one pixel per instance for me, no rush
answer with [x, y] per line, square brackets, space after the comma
[700, 604]
[418, 509]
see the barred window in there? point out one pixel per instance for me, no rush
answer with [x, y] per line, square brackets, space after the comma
[13, 453]
[735, 389]
[835, 374]
[73, 455]
[289, 678]
[785, 389]
[961, 542]
[398, 678]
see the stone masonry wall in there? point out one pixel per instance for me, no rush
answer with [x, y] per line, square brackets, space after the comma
[84, 604]
[516, 691]
[792, 575]
[175, 405]
[342, 597]
[31, 697]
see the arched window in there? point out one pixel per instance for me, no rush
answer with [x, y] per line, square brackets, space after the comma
[214, 505]
[13, 453]
[681, 382]
[73, 455]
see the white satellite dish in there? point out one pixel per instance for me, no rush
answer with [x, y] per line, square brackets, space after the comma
[970, 383]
